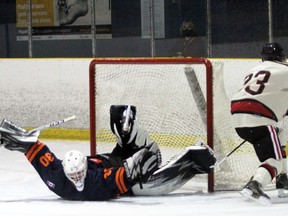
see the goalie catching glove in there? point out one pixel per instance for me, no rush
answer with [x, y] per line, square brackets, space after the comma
[140, 166]
[16, 138]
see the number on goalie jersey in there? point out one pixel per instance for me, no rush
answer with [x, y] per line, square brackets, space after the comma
[257, 108]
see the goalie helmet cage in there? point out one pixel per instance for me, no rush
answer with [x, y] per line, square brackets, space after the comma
[175, 100]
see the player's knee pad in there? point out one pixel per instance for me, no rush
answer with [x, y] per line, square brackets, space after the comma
[273, 165]
[136, 139]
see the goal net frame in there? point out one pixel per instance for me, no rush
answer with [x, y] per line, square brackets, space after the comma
[166, 61]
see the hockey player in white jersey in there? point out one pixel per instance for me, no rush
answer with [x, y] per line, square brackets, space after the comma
[257, 108]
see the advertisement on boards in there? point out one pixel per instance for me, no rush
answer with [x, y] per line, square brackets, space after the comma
[63, 19]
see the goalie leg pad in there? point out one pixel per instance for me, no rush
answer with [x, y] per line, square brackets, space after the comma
[140, 166]
[119, 116]
[180, 169]
[153, 147]
[203, 158]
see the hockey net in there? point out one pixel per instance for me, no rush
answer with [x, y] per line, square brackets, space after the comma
[180, 101]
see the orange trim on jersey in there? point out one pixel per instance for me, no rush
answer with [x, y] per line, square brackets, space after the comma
[119, 178]
[30, 155]
[253, 107]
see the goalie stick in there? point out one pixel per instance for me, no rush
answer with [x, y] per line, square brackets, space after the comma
[38, 129]
[202, 106]
[52, 124]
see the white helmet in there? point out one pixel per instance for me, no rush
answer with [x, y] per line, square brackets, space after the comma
[75, 168]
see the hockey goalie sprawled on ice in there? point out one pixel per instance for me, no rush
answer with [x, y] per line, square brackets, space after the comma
[132, 168]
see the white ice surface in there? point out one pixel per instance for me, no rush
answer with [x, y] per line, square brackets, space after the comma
[23, 193]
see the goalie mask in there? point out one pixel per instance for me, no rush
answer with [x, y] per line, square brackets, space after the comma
[75, 168]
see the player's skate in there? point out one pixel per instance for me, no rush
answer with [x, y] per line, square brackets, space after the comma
[16, 138]
[252, 190]
[282, 185]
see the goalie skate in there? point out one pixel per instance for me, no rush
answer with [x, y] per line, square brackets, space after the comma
[183, 167]
[15, 138]
[253, 192]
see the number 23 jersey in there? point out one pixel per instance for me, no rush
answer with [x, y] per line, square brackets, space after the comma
[263, 98]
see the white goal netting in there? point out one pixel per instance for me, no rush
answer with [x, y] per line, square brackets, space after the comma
[171, 101]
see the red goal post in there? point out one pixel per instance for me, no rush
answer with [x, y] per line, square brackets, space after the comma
[152, 61]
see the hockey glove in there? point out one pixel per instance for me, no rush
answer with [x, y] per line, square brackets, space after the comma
[15, 138]
[140, 166]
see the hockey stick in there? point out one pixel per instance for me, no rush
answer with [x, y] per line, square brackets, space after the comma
[52, 124]
[200, 100]
[225, 158]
